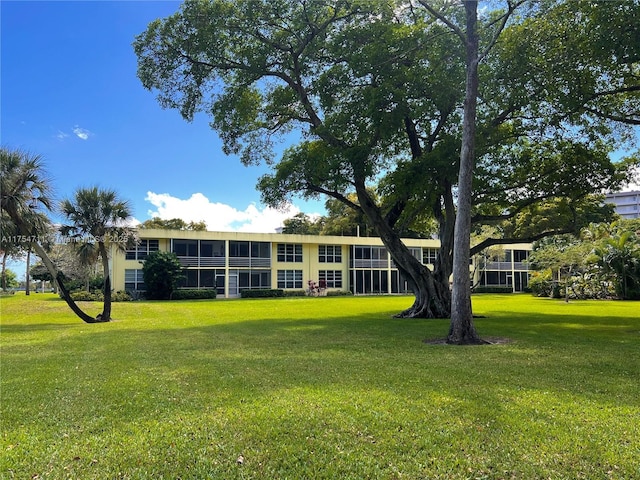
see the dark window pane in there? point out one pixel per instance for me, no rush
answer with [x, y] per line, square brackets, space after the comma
[206, 248]
[238, 249]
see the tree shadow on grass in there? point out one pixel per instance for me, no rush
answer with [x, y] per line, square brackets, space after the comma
[346, 374]
[8, 328]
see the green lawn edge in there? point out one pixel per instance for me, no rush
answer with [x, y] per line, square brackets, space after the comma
[319, 388]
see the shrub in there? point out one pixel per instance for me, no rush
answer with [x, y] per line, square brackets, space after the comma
[541, 284]
[162, 273]
[121, 297]
[84, 296]
[493, 290]
[193, 294]
[262, 293]
[294, 293]
[338, 293]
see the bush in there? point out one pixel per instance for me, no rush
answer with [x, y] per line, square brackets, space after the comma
[295, 293]
[84, 296]
[193, 294]
[162, 273]
[339, 293]
[493, 290]
[541, 284]
[262, 293]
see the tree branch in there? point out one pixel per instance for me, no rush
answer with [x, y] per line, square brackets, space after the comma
[331, 193]
[489, 242]
[615, 118]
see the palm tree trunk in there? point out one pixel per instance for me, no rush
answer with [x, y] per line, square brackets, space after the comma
[55, 273]
[4, 271]
[27, 286]
[106, 308]
[64, 292]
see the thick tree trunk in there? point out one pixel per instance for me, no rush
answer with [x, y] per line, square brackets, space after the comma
[462, 330]
[443, 267]
[431, 299]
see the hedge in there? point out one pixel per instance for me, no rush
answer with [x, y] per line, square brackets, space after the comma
[295, 293]
[262, 293]
[493, 290]
[193, 294]
[339, 293]
[84, 296]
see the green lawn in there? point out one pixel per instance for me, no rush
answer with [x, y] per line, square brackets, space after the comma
[310, 388]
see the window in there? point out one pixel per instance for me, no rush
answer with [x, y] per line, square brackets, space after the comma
[142, 250]
[260, 279]
[133, 280]
[429, 256]
[189, 279]
[371, 281]
[378, 253]
[212, 248]
[185, 248]
[330, 254]
[373, 253]
[238, 249]
[207, 279]
[493, 278]
[289, 252]
[520, 255]
[289, 278]
[210, 278]
[332, 278]
[370, 257]
[260, 250]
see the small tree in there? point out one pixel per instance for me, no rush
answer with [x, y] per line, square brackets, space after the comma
[11, 279]
[302, 224]
[97, 219]
[161, 272]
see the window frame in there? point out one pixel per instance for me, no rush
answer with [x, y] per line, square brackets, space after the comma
[289, 252]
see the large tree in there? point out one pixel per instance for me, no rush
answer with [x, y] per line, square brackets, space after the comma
[343, 73]
[378, 89]
[98, 219]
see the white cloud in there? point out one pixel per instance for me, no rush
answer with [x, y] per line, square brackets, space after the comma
[61, 135]
[219, 216]
[82, 133]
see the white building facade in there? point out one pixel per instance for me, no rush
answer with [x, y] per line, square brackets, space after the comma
[627, 204]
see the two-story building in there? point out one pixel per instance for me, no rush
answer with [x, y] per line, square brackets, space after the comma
[233, 261]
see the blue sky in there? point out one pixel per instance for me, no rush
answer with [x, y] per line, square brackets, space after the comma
[70, 93]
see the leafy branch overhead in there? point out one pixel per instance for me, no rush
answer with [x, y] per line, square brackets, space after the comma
[373, 93]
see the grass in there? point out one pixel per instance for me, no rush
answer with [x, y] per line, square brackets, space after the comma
[312, 388]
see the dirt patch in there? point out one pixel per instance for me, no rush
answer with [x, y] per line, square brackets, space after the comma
[489, 340]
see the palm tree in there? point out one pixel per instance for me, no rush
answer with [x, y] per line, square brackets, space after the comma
[619, 256]
[24, 193]
[97, 219]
